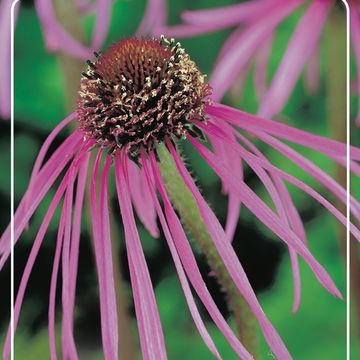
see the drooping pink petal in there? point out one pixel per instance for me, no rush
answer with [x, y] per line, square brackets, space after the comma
[103, 256]
[47, 143]
[67, 337]
[56, 37]
[332, 148]
[148, 319]
[321, 176]
[5, 48]
[42, 183]
[221, 18]
[189, 263]
[231, 261]
[278, 193]
[142, 199]
[267, 165]
[45, 147]
[293, 218]
[266, 215]
[53, 286]
[355, 37]
[234, 203]
[302, 45]
[74, 253]
[179, 268]
[33, 254]
[70, 258]
[230, 15]
[242, 48]
[76, 229]
[221, 170]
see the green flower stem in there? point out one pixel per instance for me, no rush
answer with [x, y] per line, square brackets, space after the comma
[72, 68]
[336, 105]
[186, 206]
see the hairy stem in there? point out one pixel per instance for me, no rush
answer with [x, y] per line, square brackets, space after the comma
[185, 204]
[72, 68]
[336, 104]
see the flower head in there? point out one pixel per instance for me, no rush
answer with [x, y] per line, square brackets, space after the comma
[129, 111]
[139, 92]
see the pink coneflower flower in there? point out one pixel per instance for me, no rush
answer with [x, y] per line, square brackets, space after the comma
[55, 36]
[137, 101]
[256, 22]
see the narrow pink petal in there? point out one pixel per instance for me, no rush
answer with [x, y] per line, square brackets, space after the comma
[45, 147]
[232, 14]
[179, 268]
[67, 339]
[32, 257]
[283, 203]
[189, 263]
[45, 180]
[107, 258]
[244, 47]
[321, 176]
[302, 45]
[76, 229]
[60, 39]
[103, 256]
[5, 30]
[266, 164]
[103, 17]
[231, 261]
[234, 203]
[142, 200]
[47, 143]
[332, 148]
[355, 37]
[148, 319]
[293, 217]
[154, 18]
[230, 44]
[312, 75]
[233, 213]
[53, 286]
[271, 220]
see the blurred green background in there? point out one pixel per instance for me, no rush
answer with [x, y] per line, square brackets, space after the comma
[316, 331]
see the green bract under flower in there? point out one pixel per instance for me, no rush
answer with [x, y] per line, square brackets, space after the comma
[138, 92]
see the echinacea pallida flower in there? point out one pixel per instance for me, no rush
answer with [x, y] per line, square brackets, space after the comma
[256, 22]
[55, 36]
[138, 100]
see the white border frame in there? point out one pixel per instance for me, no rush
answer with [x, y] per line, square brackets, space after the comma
[12, 205]
[348, 317]
[12, 202]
